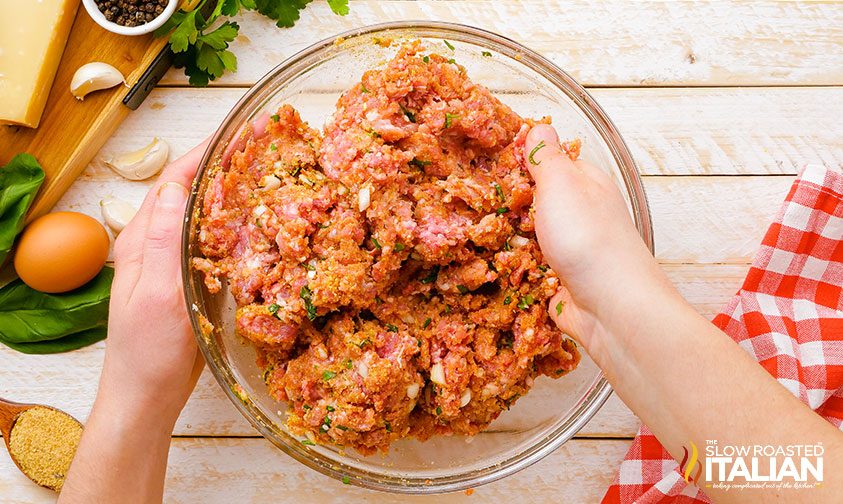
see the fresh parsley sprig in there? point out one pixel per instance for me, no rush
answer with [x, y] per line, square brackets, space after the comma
[200, 42]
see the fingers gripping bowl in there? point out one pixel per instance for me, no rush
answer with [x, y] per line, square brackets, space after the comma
[311, 83]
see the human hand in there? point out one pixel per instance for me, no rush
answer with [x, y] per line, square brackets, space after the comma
[588, 238]
[151, 360]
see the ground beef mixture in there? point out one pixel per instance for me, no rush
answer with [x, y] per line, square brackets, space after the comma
[387, 269]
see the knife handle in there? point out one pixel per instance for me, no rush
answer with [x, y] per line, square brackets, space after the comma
[159, 66]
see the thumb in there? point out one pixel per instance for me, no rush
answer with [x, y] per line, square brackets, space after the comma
[559, 310]
[570, 318]
[548, 165]
[162, 242]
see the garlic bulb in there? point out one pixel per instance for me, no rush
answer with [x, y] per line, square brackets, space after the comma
[93, 77]
[116, 213]
[142, 163]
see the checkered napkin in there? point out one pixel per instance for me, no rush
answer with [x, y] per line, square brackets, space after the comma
[788, 315]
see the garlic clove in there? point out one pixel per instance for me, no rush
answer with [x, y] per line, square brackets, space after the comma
[413, 390]
[117, 213]
[94, 76]
[142, 163]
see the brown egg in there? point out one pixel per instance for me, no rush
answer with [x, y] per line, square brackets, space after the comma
[61, 251]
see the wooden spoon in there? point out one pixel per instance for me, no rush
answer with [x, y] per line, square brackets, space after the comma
[9, 414]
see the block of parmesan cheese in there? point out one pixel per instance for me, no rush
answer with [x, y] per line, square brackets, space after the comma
[33, 34]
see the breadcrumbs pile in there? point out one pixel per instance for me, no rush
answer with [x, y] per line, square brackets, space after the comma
[44, 441]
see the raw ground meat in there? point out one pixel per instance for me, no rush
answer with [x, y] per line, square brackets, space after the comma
[386, 269]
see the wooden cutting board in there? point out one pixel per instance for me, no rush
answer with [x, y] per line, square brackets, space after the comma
[72, 131]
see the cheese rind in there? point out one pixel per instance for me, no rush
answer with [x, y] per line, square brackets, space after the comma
[33, 34]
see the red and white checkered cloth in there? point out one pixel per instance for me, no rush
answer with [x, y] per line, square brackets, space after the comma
[788, 315]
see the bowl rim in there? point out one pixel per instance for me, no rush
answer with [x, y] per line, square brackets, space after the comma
[600, 389]
[99, 18]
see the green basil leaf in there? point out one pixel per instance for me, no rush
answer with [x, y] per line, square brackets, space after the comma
[28, 316]
[66, 344]
[19, 182]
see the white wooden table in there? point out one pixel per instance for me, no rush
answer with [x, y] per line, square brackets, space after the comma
[720, 104]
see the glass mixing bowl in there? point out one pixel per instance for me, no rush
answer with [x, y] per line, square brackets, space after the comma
[311, 81]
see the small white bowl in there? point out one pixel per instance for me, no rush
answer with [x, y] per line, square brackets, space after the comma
[99, 18]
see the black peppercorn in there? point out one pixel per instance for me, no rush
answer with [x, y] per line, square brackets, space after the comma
[131, 12]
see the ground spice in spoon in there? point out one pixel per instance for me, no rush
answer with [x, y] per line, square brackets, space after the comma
[44, 441]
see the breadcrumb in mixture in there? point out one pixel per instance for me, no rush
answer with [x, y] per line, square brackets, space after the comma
[386, 269]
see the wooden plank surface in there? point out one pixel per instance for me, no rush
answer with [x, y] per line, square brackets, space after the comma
[250, 470]
[670, 131]
[601, 43]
